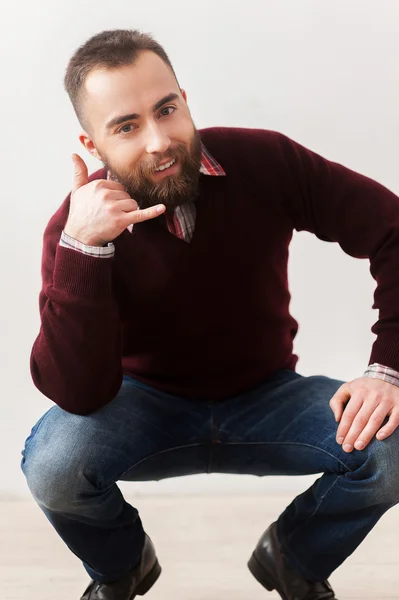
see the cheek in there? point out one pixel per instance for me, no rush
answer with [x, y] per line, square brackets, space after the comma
[189, 131]
[182, 130]
[126, 156]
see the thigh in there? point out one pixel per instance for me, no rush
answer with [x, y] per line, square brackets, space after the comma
[284, 427]
[142, 434]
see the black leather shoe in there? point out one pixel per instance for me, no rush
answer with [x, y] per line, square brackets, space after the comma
[269, 566]
[136, 583]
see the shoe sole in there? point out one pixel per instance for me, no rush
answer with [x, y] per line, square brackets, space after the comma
[261, 574]
[148, 581]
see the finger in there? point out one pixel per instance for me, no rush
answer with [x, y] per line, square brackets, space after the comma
[127, 205]
[338, 401]
[349, 414]
[138, 216]
[117, 195]
[113, 185]
[364, 419]
[373, 425]
[390, 427]
[81, 174]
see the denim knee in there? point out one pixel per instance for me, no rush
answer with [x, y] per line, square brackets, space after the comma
[56, 466]
[52, 485]
[382, 469]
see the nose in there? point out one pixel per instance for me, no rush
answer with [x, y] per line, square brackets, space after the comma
[157, 140]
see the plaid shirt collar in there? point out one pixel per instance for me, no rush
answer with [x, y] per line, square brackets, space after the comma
[209, 165]
[181, 222]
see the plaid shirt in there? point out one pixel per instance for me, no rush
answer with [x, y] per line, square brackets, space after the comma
[181, 223]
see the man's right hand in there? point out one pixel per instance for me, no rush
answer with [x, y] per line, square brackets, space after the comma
[102, 209]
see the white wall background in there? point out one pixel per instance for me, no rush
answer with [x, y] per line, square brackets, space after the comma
[324, 73]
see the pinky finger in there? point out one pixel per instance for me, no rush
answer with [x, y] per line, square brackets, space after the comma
[389, 427]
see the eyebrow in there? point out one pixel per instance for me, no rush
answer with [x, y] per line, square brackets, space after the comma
[135, 116]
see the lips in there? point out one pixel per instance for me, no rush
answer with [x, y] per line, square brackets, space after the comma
[174, 169]
[165, 166]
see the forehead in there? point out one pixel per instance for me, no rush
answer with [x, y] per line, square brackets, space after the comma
[130, 88]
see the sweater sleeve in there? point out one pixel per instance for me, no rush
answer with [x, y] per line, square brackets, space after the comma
[340, 205]
[76, 357]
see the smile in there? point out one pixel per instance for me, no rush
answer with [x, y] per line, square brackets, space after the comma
[167, 166]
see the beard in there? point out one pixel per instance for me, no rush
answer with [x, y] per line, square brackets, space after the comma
[173, 190]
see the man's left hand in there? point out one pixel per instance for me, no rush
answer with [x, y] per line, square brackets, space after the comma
[361, 406]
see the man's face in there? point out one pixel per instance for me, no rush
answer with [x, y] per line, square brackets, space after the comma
[139, 121]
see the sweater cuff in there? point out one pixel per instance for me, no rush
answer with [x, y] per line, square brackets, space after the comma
[82, 275]
[385, 350]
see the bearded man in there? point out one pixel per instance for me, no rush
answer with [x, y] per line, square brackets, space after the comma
[166, 341]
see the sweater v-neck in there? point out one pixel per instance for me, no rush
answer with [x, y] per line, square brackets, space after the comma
[159, 232]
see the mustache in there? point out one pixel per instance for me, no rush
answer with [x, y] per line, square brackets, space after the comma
[178, 153]
[150, 166]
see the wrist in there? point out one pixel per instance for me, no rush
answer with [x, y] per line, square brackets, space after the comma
[82, 239]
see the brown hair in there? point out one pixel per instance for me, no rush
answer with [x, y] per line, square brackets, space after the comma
[109, 50]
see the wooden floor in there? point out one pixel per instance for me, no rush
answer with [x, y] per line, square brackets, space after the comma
[203, 544]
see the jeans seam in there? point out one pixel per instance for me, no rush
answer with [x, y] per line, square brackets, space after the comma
[35, 430]
[283, 543]
[289, 444]
[152, 456]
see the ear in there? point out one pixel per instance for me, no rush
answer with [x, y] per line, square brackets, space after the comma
[88, 143]
[184, 94]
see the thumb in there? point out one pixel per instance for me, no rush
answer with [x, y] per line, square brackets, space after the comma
[81, 174]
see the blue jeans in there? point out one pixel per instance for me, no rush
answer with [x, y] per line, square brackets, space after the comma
[283, 427]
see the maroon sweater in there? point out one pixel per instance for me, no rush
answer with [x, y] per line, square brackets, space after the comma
[210, 319]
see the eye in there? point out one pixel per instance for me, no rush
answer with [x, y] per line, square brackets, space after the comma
[167, 110]
[123, 129]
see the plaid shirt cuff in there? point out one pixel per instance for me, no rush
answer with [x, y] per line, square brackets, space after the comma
[380, 372]
[99, 251]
